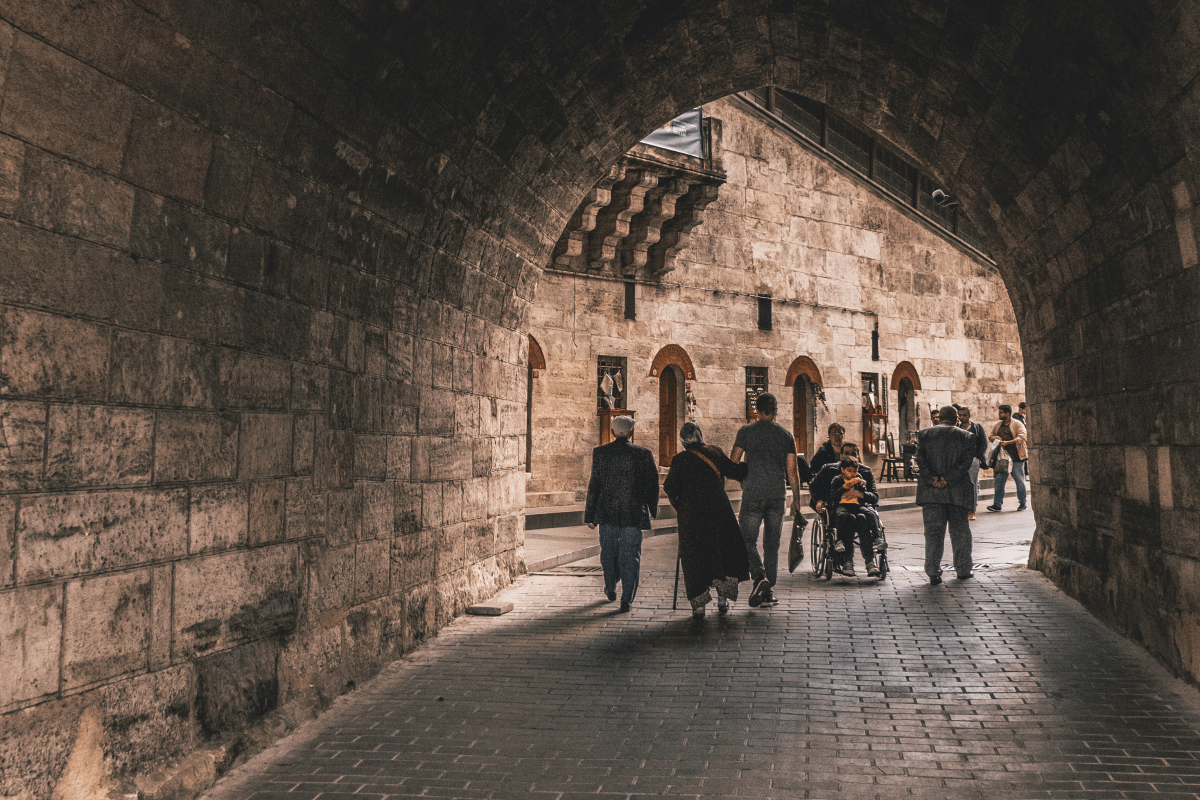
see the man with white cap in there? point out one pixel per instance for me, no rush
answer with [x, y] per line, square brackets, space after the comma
[622, 497]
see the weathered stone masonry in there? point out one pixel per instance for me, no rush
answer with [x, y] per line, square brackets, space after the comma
[261, 423]
[340, 182]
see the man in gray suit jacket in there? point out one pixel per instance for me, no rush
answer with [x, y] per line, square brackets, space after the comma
[945, 493]
[622, 497]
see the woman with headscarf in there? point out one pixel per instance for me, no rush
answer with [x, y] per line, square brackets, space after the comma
[711, 549]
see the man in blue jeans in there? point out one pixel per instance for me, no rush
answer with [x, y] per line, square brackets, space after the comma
[622, 497]
[1012, 433]
[771, 460]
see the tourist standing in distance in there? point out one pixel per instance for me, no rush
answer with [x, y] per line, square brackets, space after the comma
[1022, 416]
[622, 497]
[981, 440]
[711, 550]
[830, 451]
[1011, 432]
[944, 492]
[772, 463]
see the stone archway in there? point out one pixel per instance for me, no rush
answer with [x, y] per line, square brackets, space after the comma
[312, 286]
[906, 383]
[536, 363]
[673, 367]
[805, 378]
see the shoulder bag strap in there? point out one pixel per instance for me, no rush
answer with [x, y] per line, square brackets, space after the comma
[706, 460]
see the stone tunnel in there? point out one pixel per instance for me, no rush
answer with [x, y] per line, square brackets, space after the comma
[265, 269]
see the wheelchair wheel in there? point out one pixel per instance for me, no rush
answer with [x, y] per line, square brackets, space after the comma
[883, 565]
[816, 546]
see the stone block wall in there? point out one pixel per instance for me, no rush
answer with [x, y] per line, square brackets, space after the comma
[337, 213]
[837, 259]
[261, 411]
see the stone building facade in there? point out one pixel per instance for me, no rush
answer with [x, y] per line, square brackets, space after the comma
[839, 259]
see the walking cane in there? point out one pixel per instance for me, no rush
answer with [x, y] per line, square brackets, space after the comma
[675, 596]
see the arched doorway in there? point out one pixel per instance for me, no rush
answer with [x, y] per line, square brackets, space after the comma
[671, 412]
[536, 363]
[673, 367]
[805, 380]
[907, 383]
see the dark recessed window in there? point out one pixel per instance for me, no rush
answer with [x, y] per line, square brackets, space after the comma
[630, 300]
[764, 313]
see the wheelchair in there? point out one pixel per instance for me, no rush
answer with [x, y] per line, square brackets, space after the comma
[821, 549]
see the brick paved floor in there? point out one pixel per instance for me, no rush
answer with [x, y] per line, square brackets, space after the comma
[998, 687]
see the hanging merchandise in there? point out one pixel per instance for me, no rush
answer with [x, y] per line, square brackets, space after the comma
[606, 387]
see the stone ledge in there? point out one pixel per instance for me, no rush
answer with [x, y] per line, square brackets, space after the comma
[492, 608]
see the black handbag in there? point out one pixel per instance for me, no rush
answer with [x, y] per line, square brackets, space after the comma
[796, 542]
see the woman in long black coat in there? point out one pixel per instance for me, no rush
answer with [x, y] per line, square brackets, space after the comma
[711, 548]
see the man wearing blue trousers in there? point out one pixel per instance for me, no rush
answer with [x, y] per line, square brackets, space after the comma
[622, 497]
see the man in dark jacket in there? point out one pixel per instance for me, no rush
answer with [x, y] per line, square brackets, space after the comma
[981, 441]
[944, 492]
[830, 452]
[622, 497]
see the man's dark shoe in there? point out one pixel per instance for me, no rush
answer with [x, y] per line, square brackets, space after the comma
[761, 590]
[611, 595]
[770, 599]
[624, 607]
[935, 580]
[1021, 507]
[993, 508]
[968, 575]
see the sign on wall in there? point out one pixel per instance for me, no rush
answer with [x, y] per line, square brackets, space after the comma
[681, 135]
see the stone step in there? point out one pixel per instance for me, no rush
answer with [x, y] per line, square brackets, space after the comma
[549, 499]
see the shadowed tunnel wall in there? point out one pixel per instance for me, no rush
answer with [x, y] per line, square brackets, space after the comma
[264, 269]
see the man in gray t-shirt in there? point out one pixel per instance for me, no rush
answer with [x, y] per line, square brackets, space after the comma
[771, 458]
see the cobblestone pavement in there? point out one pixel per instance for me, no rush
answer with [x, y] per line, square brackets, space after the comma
[997, 687]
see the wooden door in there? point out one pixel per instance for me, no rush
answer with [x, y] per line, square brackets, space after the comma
[529, 419]
[668, 399]
[800, 417]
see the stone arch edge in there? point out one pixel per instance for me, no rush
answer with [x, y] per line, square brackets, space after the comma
[675, 355]
[537, 359]
[905, 369]
[803, 365]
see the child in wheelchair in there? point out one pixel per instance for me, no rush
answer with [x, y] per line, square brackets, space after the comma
[851, 500]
